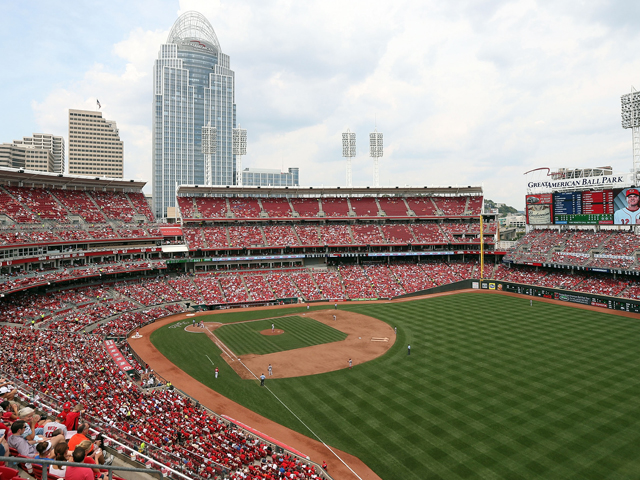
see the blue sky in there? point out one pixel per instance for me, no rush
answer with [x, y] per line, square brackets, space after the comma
[466, 92]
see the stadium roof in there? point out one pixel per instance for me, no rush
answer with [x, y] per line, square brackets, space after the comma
[30, 178]
[330, 191]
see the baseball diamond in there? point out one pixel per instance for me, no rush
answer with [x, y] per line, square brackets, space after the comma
[491, 390]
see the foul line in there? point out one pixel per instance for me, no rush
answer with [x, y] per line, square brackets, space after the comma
[226, 350]
[305, 425]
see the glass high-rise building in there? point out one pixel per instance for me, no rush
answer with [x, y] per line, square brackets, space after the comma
[267, 177]
[193, 90]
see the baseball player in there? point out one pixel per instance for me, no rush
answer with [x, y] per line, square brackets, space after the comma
[216, 372]
[631, 214]
[270, 370]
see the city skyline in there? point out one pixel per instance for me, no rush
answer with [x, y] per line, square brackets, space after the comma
[474, 94]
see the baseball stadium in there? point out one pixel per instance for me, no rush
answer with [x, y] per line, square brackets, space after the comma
[331, 333]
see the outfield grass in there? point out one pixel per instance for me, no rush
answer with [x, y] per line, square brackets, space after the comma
[493, 388]
[299, 332]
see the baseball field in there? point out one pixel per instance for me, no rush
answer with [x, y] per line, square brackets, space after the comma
[494, 388]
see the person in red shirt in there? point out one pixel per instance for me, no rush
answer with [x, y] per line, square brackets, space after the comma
[81, 473]
[66, 407]
[73, 417]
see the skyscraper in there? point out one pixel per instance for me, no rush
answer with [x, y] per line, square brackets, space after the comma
[193, 92]
[95, 147]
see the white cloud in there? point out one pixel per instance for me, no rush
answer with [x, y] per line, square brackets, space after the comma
[125, 97]
[474, 95]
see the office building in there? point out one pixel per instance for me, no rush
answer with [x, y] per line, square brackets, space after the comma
[266, 177]
[193, 92]
[27, 157]
[95, 148]
[53, 143]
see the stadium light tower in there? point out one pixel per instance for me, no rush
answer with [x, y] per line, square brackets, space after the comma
[631, 119]
[349, 151]
[375, 152]
[239, 149]
[209, 150]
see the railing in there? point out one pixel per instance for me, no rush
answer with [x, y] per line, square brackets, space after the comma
[45, 471]
[114, 435]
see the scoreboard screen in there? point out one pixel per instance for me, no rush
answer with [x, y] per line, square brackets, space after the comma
[588, 207]
[569, 203]
[539, 209]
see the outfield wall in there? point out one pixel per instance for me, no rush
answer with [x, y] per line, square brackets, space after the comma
[582, 298]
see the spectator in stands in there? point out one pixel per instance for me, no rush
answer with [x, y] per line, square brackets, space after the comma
[90, 452]
[73, 418]
[61, 454]
[4, 446]
[10, 411]
[7, 391]
[17, 441]
[44, 449]
[81, 473]
[53, 426]
[31, 420]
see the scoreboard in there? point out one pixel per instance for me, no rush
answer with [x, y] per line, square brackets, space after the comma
[583, 208]
[588, 207]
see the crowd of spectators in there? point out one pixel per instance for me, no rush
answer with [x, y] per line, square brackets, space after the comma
[307, 235]
[259, 288]
[234, 289]
[280, 236]
[245, 207]
[245, 237]
[210, 289]
[335, 235]
[367, 234]
[79, 309]
[610, 249]
[384, 281]
[40, 202]
[329, 284]
[175, 430]
[283, 285]
[307, 286]
[30, 278]
[356, 283]
[428, 233]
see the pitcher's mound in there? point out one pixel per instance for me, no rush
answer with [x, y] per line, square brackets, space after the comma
[268, 331]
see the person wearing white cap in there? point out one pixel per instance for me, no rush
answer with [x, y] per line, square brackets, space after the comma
[631, 214]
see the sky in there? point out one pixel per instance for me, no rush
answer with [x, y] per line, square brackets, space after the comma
[474, 92]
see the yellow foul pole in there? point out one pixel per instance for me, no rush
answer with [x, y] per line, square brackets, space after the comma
[481, 250]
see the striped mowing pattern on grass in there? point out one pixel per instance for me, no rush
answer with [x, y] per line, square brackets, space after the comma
[244, 338]
[493, 389]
